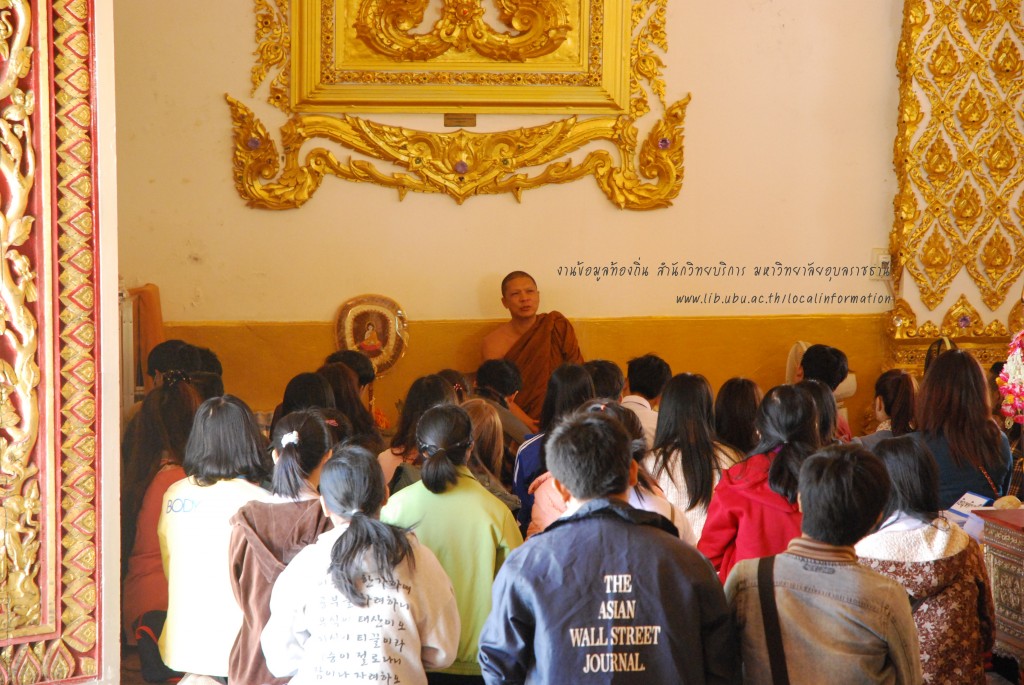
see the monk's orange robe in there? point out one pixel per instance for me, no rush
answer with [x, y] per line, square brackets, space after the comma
[549, 343]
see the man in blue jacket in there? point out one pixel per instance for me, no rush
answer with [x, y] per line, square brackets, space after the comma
[607, 593]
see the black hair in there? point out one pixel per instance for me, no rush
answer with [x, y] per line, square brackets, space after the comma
[444, 435]
[497, 379]
[225, 443]
[568, 388]
[209, 361]
[954, 403]
[207, 383]
[914, 477]
[340, 429]
[158, 434]
[513, 276]
[938, 347]
[825, 406]
[648, 375]
[172, 355]
[301, 440]
[607, 377]
[735, 411]
[898, 391]
[843, 490]
[352, 486]
[307, 391]
[634, 429]
[424, 393]
[589, 453]
[459, 384]
[826, 364]
[345, 386]
[787, 422]
[355, 360]
[686, 432]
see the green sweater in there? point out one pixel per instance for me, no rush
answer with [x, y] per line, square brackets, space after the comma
[471, 532]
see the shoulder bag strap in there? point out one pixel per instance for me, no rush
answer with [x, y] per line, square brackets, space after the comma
[770, 618]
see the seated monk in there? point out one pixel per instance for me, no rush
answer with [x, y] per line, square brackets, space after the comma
[536, 343]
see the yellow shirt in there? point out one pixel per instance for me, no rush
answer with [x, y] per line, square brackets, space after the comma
[471, 533]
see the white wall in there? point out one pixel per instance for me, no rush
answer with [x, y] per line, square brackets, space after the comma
[109, 341]
[788, 157]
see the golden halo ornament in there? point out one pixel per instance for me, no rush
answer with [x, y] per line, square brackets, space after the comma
[374, 325]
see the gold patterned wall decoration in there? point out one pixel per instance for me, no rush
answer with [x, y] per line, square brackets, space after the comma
[49, 556]
[592, 56]
[959, 150]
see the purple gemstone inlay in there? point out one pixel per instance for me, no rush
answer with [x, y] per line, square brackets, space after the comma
[964, 321]
[461, 167]
[253, 143]
[664, 143]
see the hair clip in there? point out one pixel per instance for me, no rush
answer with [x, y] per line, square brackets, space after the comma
[175, 376]
[331, 422]
[290, 439]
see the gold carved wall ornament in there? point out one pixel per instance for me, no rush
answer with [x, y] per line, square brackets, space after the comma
[959, 158]
[959, 150]
[49, 559]
[540, 27]
[583, 56]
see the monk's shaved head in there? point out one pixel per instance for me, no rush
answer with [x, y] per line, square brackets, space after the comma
[512, 276]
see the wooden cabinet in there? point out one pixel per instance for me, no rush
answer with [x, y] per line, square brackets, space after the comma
[1003, 541]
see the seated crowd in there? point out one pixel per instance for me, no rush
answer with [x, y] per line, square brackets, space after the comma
[672, 534]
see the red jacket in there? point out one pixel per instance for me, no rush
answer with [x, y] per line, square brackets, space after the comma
[746, 518]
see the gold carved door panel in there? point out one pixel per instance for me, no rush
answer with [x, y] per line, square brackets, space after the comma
[49, 448]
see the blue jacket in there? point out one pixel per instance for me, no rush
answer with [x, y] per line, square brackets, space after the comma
[608, 594]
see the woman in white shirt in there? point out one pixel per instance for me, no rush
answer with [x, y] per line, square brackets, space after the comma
[687, 459]
[366, 601]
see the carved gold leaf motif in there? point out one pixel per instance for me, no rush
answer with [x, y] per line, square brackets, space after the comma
[995, 256]
[936, 256]
[945, 62]
[1001, 158]
[1006, 61]
[972, 111]
[387, 27]
[273, 50]
[939, 161]
[633, 173]
[967, 207]
[977, 15]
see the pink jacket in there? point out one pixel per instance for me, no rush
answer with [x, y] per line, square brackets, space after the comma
[547, 503]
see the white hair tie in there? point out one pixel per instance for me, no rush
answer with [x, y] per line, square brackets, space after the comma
[290, 439]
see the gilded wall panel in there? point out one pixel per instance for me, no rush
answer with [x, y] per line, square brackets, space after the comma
[48, 317]
[959, 157]
[317, 58]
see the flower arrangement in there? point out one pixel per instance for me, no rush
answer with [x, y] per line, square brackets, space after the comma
[1011, 382]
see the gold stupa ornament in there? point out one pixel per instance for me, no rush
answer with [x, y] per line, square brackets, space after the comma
[326, 62]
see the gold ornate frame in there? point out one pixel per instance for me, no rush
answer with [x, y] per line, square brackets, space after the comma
[49, 561]
[959, 157]
[351, 55]
[633, 173]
